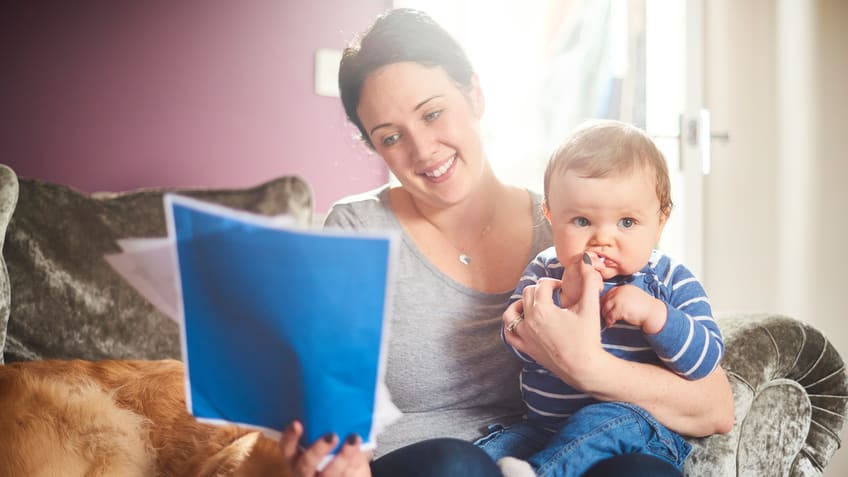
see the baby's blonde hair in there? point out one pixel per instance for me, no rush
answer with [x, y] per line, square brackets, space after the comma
[600, 148]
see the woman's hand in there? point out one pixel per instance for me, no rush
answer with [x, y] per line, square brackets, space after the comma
[565, 341]
[572, 278]
[350, 461]
[568, 343]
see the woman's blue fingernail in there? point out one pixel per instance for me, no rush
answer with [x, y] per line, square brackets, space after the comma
[328, 437]
[351, 439]
[586, 259]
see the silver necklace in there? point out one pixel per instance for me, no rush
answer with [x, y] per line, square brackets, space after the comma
[463, 257]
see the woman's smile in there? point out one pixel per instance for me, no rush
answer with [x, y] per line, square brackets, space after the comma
[442, 171]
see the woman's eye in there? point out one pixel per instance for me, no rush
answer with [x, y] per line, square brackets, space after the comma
[627, 222]
[581, 222]
[389, 140]
[432, 115]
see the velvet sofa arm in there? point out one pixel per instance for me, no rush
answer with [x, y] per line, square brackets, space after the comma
[790, 394]
[8, 201]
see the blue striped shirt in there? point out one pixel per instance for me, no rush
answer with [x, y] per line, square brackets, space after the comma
[690, 343]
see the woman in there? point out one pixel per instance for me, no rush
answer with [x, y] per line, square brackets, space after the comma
[412, 93]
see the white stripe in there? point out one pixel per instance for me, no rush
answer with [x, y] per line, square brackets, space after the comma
[703, 354]
[693, 300]
[672, 266]
[519, 354]
[554, 266]
[703, 318]
[688, 340]
[716, 337]
[720, 343]
[626, 348]
[683, 282]
[551, 414]
[553, 395]
[655, 258]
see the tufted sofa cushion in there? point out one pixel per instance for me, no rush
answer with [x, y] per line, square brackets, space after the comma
[66, 301]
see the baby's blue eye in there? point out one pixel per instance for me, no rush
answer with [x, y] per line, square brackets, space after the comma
[581, 222]
[627, 222]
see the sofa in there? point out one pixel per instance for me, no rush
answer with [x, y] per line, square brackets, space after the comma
[59, 299]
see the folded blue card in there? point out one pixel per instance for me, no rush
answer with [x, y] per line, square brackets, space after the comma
[280, 323]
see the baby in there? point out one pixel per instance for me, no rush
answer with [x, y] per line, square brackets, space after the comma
[607, 198]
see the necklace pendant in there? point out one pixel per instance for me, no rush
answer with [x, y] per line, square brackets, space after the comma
[465, 259]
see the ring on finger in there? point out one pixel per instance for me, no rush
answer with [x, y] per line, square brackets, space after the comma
[514, 323]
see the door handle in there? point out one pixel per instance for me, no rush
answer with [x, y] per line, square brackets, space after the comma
[698, 134]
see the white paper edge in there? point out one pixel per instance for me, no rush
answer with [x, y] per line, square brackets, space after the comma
[168, 201]
[134, 245]
[385, 411]
[126, 261]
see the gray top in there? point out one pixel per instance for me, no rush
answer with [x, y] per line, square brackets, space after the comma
[447, 369]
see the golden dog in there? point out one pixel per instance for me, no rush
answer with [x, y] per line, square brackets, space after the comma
[117, 418]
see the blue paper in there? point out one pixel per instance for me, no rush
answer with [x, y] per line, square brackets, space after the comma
[279, 323]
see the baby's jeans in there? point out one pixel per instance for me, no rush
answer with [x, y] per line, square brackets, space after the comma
[593, 434]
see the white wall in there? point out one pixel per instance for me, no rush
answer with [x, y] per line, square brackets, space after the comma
[776, 224]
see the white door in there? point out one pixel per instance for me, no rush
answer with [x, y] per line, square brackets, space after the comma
[676, 117]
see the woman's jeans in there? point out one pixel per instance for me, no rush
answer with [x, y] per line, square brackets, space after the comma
[593, 434]
[436, 458]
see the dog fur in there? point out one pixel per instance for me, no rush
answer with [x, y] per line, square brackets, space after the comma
[117, 418]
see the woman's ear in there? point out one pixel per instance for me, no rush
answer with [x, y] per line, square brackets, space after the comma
[478, 102]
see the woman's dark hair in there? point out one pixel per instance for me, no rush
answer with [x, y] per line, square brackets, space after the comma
[396, 36]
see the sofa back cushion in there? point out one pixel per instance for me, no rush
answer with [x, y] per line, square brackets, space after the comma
[66, 301]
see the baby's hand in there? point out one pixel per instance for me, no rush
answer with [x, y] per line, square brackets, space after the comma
[631, 305]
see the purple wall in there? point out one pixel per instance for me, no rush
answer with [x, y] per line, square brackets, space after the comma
[117, 95]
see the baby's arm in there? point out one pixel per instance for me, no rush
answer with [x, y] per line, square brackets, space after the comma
[690, 342]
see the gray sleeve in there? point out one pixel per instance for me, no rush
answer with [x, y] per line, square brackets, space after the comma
[342, 216]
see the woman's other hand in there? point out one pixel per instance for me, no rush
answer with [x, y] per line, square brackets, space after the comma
[572, 278]
[350, 461]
